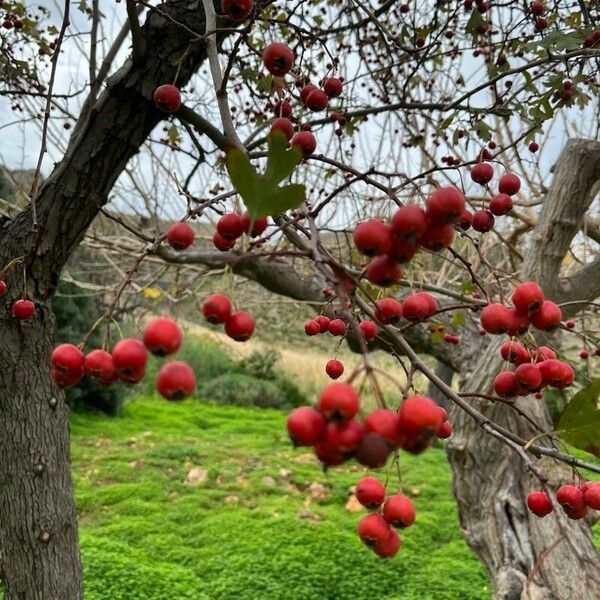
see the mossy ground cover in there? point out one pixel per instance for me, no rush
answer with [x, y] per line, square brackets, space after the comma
[252, 529]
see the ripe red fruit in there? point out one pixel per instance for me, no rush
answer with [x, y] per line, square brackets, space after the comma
[221, 243]
[569, 324]
[584, 354]
[238, 10]
[2, 287]
[285, 126]
[67, 358]
[129, 359]
[278, 59]
[384, 422]
[591, 495]
[167, 98]
[369, 329]
[465, 221]
[556, 373]
[539, 503]
[445, 206]
[334, 368]
[175, 380]
[415, 308]
[306, 142]
[509, 184]
[402, 251]
[482, 173]
[547, 317]
[579, 513]
[388, 311]
[99, 367]
[344, 436]
[339, 401]
[305, 91]
[317, 100]
[23, 309]
[409, 223]
[67, 378]
[500, 204]
[519, 323]
[312, 327]
[255, 227]
[240, 326]
[373, 529]
[533, 147]
[538, 8]
[230, 226]
[328, 456]
[399, 511]
[180, 236]
[437, 237]
[370, 492]
[543, 353]
[570, 497]
[306, 426]
[496, 318]
[383, 271]
[505, 384]
[445, 430]
[514, 352]
[337, 327]
[419, 419]
[372, 237]
[282, 108]
[389, 547]
[528, 376]
[373, 450]
[333, 87]
[323, 322]
[528, 297]
[483, 221]
[216, 308]
[162, 336]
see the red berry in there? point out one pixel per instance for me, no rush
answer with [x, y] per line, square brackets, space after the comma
[129, 359]
[383, 271]
[180, 236]
[399, 511]
[418, 307]
[306, 142]
[373, 529]
[23, 309]
[339, 401]
[505, 384]
[282, 108]
[519, 323]
[388, 311]
[482, 173]
[162, 337]
[2, 287]
[67, 358]
[500, 204]
[99, 367]
[254, 227]
[402, 251]
[389, 547]
[509, 184]
[317, 100]
[230, 226]
[569, 323]
[547, 317]
[538, 8]
[496, 318]
[465, 221]
[370, 492]
[533, 147]
[330, 457]
[384, 422]
[437, 237]
[337, 327]
[539, 503]
[556, 373]
[306, 426]
[344, 436]
[216, 308]
[333, 87]
[445, 206]
[591, 495]
[237, 10]
[372, 237]
[175, 380]
[419, 418]
[543, 353]
[221, 243]
[579, 513]
[514, 352]
[323, 322]
[483, 221]
[285, 126]
[409, 223]
[369, 329]
[373, 450]
[528, 376]
[312, 327]
[67, 378]
[584, 354]
[528, 297]
[445, 430]
[541, 23]
[334, 368]
[570, 497]
[278, 59]
[167, 98]
[240, 326]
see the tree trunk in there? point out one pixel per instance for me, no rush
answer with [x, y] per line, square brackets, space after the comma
[38, 524]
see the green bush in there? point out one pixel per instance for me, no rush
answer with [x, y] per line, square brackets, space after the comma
[244, 390]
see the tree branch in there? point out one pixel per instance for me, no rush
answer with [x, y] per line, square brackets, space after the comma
[202, 125]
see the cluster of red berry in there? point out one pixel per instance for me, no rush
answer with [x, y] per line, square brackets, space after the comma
[575, 500]
[218, 309]
[127, 361]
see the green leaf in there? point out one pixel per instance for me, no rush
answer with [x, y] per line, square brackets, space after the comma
[281, 162]
[458, 319]
[475, 21]
[579, 424]
[244, 177]
[483, 131]
[275, 200]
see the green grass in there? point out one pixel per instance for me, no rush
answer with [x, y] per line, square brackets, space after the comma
[148, 535]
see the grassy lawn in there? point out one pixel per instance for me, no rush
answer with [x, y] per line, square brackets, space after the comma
[259, 526]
